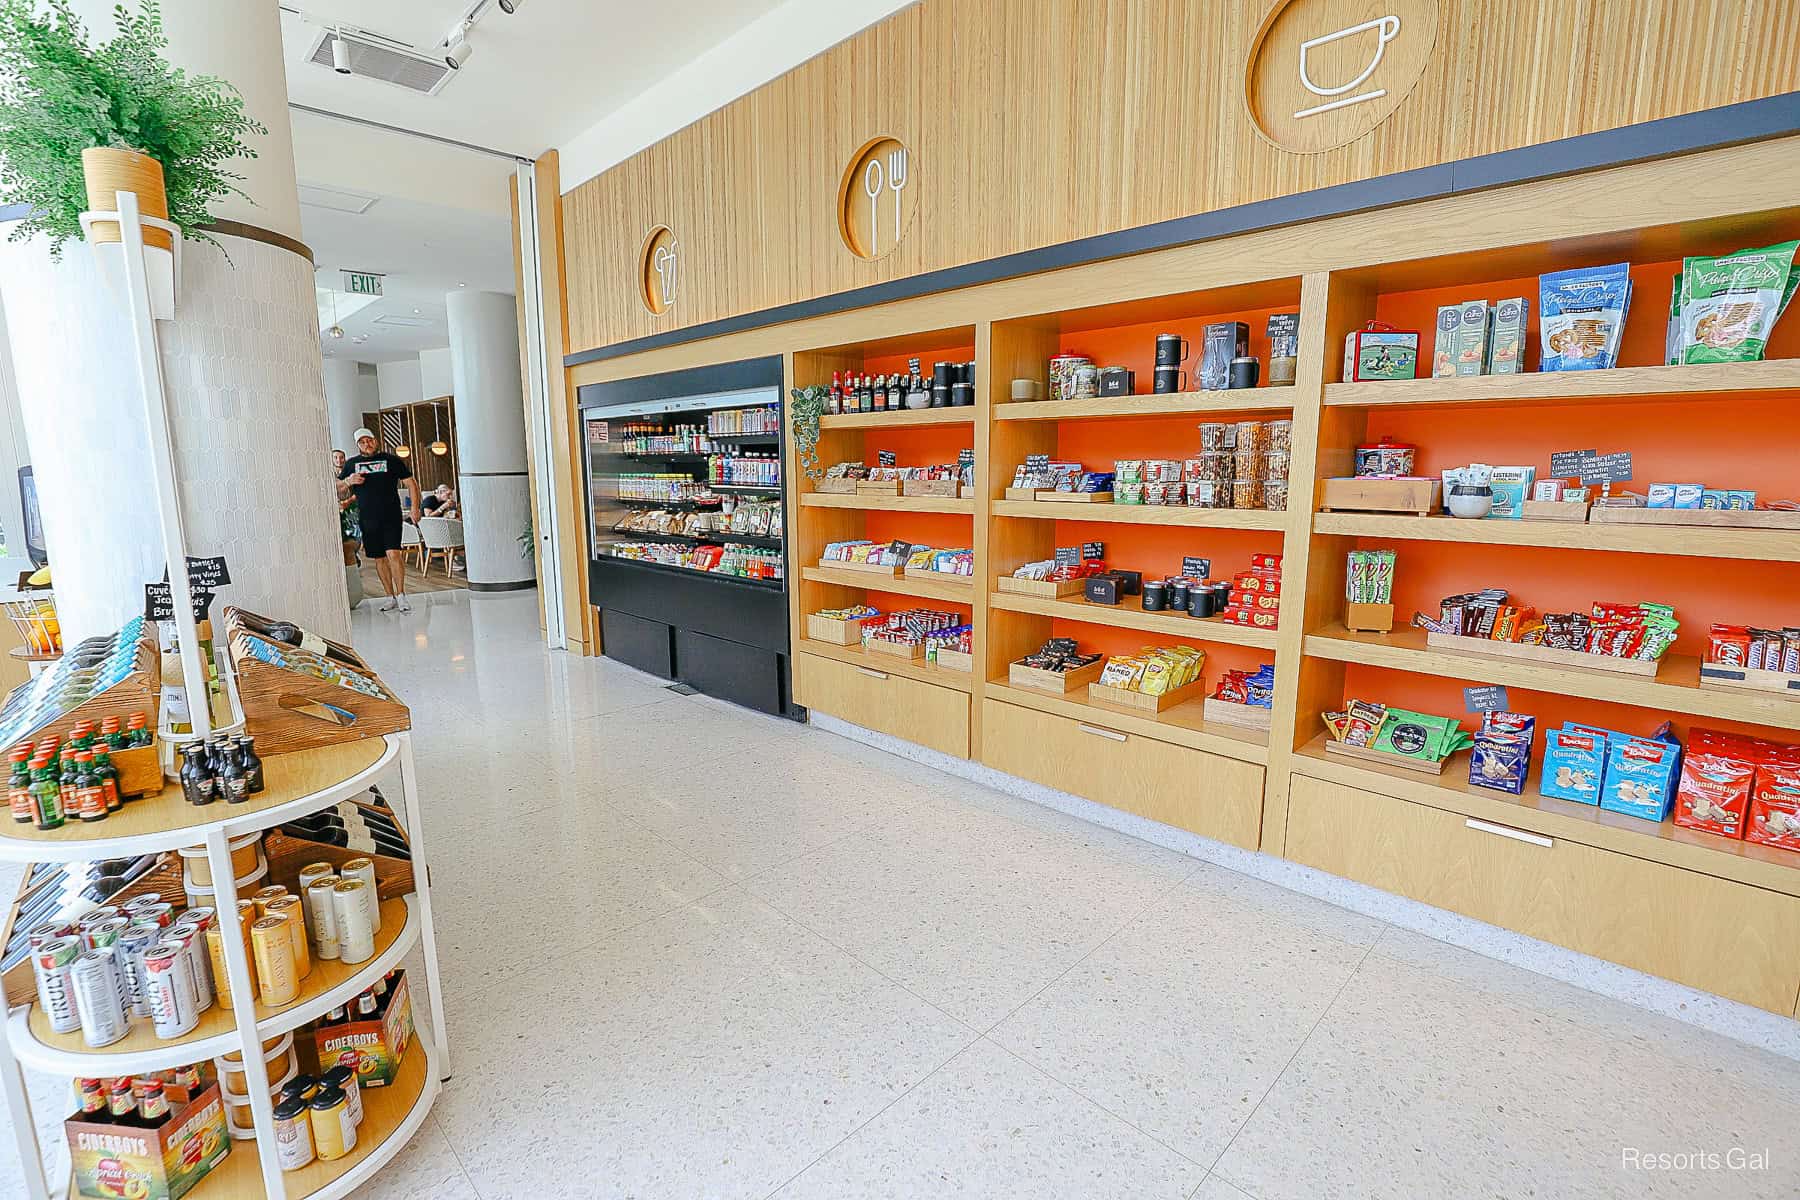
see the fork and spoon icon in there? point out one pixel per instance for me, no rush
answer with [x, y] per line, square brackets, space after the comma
[872, 188]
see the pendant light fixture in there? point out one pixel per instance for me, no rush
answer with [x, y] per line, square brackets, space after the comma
[438, 446]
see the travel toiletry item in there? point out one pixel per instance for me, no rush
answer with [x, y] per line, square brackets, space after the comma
[1512, 487]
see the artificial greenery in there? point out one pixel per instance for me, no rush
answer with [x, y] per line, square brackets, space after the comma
[59, 95]
[803, 415]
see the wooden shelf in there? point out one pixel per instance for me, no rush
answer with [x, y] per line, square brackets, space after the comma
[1667, 842]
[1716, 381]
[1179, 726]
[934, 504]
[1693, 542]
[216, 1032]
[1168, 404]
[1144, 514]
[1676, 687]
[1130, 616]
[953, 589]
[297, 783]
[905, 419]
[910, 668]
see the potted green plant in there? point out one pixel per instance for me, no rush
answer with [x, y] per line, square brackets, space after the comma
[80, 121]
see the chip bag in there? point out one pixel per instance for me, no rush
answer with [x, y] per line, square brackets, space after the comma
[1731, 302]
[1583, 317]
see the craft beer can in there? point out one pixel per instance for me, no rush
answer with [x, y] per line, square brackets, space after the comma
[320, 907]
[191, 930]
[350, 904]
[138, 939]
[289, 909]
[364, 869]
[314, 871]
[169, 983]
[53, 962]
[275, 979]
[96, 980]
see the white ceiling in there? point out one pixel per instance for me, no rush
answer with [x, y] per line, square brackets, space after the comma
[536, 78]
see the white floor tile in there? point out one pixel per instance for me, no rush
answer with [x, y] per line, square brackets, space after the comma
[989, 1125]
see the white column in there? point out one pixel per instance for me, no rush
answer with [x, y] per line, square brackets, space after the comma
[14, 452]
[490, 438]
[241, 363]
[344, 400]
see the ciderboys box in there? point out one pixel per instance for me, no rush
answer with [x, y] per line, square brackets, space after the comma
[373, 1047]
[113, 1161]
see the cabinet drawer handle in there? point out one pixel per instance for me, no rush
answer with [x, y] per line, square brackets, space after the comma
[1507, 831]
[872, 673]
[1109, 734]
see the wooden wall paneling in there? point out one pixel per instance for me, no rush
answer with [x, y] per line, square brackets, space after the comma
[1323, 439]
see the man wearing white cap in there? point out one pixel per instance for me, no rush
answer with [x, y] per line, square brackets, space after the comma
[374, 476]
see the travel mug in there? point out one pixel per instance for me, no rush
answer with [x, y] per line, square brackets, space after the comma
[1171, 350]
[1170, 379]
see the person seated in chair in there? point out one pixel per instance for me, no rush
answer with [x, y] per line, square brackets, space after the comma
[441, 502]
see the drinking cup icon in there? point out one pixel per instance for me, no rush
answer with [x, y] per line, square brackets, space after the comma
[1388, 28]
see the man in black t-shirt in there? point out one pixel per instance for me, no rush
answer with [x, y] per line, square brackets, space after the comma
[374, 477]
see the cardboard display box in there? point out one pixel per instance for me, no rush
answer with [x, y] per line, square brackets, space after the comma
[112, 1161]
[373, 1048]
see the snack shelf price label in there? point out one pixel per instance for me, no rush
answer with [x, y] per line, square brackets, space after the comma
[1068, 556]
[1092, 550]
[1194, 567]
[1487, 699]
[1590, 466]
[159, 602]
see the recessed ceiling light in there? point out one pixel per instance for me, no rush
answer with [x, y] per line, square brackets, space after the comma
[415, 312]
[462, 285]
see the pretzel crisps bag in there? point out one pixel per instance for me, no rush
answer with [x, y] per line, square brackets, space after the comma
[1583, 317]
[1730, 303]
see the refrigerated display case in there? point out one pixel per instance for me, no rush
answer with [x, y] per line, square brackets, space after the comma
[686, 520]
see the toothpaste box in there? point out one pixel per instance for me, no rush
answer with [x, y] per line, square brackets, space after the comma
[1506, 337]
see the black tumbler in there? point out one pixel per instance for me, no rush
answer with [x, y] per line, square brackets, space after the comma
[1171, 350]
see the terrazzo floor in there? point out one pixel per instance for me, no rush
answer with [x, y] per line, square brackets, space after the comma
[690, 951]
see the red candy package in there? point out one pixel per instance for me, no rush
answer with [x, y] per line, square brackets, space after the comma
[1728, 645]
[1774, 818]
[1714, 793]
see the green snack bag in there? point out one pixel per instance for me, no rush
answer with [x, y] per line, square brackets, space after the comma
[1423, 736]
[1730, 303]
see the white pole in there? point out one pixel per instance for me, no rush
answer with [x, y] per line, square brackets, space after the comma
[162, 464]
[537, 408]
[18, 1108]
[415, 837]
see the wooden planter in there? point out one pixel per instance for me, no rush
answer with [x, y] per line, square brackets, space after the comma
[108, 170]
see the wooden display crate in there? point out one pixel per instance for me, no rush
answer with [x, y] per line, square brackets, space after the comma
[1052, 588]
[290, 710]
[287, 855]
[139, 691]
[878, 487]
[836, 487]
[895, 649]
[830, 629]
[1360, 494]
[1241, 716]
[1369, 618]
[1717, 675]
[236, 618]
[1143, 703]
[1518, 651]
[1077, 497]
[1422, 766]
[1057, 683]
[956, 660]
[1024, 493]
[929, 487]
[1572, 511]
[1604, 514]
[891, 570]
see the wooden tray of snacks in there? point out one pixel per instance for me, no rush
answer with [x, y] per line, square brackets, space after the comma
[1056, 683]
[1363, 753]
[1143, 703]
[1241, 716]
[956, 660]
[836, 487]
[1051, 588]
[891, 570]
[895, 649]
[1364, 494]
[878, 487]
[836, 632]
[1572, 511]
[928, 487]
[1077, 497]
[1730, 518]
[1519, 652]
[1745, 679]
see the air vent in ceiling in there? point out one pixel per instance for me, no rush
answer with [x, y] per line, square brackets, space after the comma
[341, 200]
[375, 59]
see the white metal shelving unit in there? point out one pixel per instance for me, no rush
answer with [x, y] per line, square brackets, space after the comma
[398, 1111]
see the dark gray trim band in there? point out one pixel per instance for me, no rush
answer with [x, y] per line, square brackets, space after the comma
[490, 474]
[736, 376]
[520, 586]
[1734, 124]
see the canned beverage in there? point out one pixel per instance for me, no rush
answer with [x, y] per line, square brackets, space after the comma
[276, 982]
[97, 997]
[324, 918]
[190, 931]
[53, 962]
[132, 947]
[132, 905]
[169, 982]
[364, 869]
[104, 933]
[351, 905]
[289, 909]
[94, 916]
[264, 895]
[314, 871]
[162, 915]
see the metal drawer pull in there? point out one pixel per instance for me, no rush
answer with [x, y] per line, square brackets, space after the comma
[1099, 732]
[873, 674]
[1507, 831]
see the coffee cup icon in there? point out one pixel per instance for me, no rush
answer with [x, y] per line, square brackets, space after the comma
[1386, 28]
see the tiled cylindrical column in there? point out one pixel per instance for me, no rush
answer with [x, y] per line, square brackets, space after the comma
[490, 438]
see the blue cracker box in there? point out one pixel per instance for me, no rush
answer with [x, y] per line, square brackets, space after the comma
[1574, 765]
[1640, 778]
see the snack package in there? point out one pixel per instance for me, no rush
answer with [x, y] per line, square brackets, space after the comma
[1714, 793]
[1640, 778]
[1423, 736]
[1774, 818]
[1501, 759]
[1574, 765]
[1583, 317]
[1731, 302]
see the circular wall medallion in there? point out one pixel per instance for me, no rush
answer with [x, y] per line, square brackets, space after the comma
[657, 270]
[877, 197]
[1325, 72]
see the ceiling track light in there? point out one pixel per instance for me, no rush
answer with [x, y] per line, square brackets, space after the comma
[509, 7]
[340, 52]
[457, 46]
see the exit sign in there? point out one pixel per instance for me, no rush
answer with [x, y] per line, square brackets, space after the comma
[362, 283]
